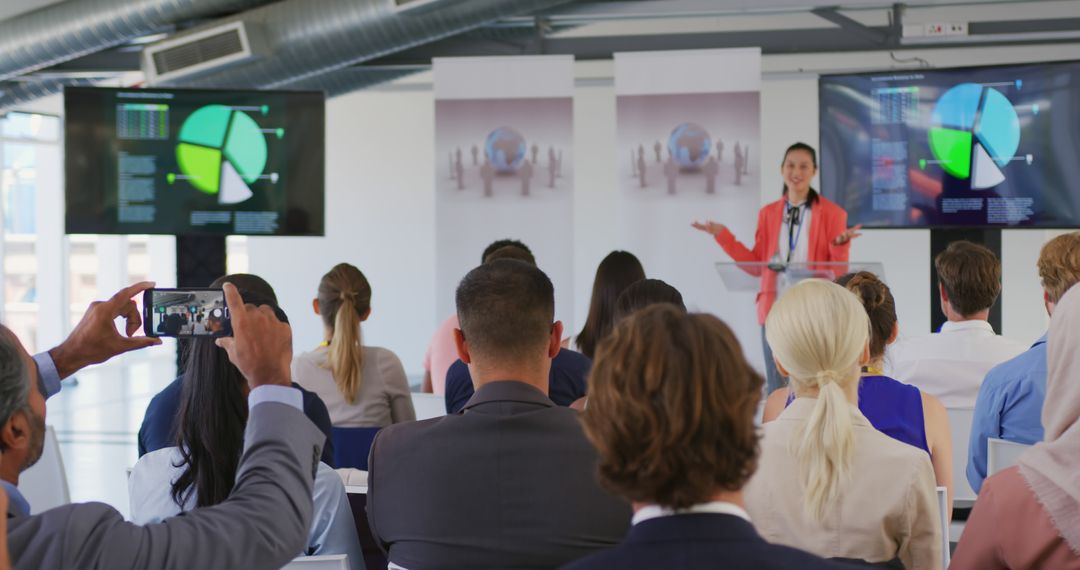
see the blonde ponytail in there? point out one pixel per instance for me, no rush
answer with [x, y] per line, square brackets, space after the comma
[344, 300]
[818, 331]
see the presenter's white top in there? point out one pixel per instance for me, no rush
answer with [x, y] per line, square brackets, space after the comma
[951, 364]
[800, 237]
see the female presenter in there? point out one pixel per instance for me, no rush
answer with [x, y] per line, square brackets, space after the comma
[800, 227]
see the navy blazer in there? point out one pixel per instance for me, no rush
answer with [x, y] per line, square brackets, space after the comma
[566, 381]
[158, 429]
[705, 540]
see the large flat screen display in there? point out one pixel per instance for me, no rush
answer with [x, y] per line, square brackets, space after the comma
[194, 162]
[975, 147]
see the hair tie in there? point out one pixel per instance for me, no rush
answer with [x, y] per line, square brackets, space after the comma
[825, 376]
[345, 294]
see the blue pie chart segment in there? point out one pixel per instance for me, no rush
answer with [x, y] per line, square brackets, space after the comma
[958, 107]
[999, 127]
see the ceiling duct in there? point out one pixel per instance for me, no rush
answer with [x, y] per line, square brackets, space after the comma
[69, 30]
[208, 50]
[308, 42]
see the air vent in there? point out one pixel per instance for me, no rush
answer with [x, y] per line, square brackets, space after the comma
[200, 52]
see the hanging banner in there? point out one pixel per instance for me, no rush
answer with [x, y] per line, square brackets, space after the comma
[504, 152]
[688, 140]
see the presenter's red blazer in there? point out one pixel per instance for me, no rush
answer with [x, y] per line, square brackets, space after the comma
[826, 223]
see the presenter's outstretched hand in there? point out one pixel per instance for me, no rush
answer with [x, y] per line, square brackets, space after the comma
[709, 227]
[95, 339]
[848, 235]
[261, 345]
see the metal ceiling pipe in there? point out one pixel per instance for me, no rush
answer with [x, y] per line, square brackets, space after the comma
[69, 30]
[309, 39]
[351, 79]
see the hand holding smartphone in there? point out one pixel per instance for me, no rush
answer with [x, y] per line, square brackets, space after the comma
[186, 313]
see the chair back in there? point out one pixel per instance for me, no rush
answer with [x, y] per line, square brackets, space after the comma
[1001, 454]
[960, 424]
[373, 555]
[428, 406]
[325, 562]
[352, 445]
[945, 518]
[45, 485]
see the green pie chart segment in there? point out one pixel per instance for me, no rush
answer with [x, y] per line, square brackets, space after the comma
[246, 147]
[221, 146]
[201, 164]
[206, 126]
[953, 149]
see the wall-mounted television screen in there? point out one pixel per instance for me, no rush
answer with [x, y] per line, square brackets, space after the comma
[194, 162]
[974, 147]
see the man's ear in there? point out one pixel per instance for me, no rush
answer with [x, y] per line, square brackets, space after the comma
[15, 433]
[315, 306]
[555, 342]
[462, 346]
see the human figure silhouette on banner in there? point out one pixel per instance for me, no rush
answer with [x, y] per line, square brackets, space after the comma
[720, 150]
[711, 169]
[475, 155]
[457, 157]
[459, 171]
[671, 172]
[657, 148]
[487, 174]
[525, 171]
[450, 161]
[738, 165]
[746, 159]
[535, 152]
[552, 167]
[641, 169]
[633, 164]
[559, 162]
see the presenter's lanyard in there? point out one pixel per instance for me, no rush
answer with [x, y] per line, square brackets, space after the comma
[794, 219]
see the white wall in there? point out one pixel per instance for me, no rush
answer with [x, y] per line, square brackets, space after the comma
[380, 204]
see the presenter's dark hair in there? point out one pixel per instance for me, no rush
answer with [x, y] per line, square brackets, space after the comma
[646, 293]
[616, 272]
[877, 299]
[213, 409]
[811, 197]
[499, 244]
[671, 408]
[506, 308]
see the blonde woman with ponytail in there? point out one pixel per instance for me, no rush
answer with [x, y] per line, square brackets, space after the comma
[362, 386]
[827, 481]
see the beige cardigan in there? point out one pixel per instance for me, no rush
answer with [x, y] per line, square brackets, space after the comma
[887, 509]
[384, 396]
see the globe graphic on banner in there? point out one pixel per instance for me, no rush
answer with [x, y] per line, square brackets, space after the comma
[505, 149]
[689, 145]
[975, 133]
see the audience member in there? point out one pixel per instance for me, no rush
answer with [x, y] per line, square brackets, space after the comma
[201, 469]
[645, 293]
[441, 352]
[898, 410]
[569, 369]
[672, 417]
[828, 482]
[263, 523]
[362, 386]
[616, 272]
[158, 429]
[1011, 397]
[1028, 516]
[510, 482]
[951, 364]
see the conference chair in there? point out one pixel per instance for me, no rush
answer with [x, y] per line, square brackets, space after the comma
[428, 406]
[945, 517]
[325, 562]
[45, 484]
[352, 445]
[960, 424]
[1001, 454]
[373, 555]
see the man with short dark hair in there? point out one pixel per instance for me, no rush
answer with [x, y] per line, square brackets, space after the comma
[951, 364]
[509, 482]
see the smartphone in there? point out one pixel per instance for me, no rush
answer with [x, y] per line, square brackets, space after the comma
[186, 313]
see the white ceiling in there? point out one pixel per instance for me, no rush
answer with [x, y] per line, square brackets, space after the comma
[12, 8]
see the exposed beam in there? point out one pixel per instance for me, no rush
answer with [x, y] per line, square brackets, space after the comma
[874, 35]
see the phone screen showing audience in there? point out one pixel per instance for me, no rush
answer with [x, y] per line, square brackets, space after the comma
[186, 313]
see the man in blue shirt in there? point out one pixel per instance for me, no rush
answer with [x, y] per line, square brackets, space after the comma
[1011, 397]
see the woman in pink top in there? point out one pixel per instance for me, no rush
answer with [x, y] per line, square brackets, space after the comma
[1028, 516]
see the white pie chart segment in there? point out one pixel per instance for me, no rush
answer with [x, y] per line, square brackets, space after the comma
[985, 172]
[233, 189]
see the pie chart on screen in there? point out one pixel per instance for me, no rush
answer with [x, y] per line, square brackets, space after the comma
[221, 151]
[975, 133]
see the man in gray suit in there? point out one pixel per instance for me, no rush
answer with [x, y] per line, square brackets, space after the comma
[263, 523]
[509, 481]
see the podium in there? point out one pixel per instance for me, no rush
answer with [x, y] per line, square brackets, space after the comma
[774, 277]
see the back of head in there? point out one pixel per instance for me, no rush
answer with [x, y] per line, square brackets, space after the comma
[818, 332]
[616, 272]
[14, 387]
[506, 309]
[645, 293]
[671, 408]
[1059, 265]
[213, 408]
[511, 252]
[880, 306]
[971, 276]
[501, 243]
[345, 300]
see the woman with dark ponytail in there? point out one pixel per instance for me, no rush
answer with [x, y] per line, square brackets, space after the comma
[801, 227]
[362, 386]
